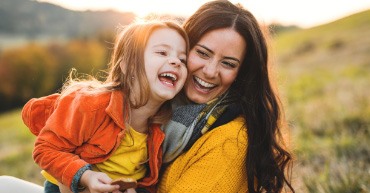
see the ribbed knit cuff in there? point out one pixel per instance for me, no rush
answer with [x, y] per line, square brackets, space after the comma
[76, 178]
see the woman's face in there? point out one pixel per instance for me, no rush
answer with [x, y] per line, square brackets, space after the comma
[213, 64]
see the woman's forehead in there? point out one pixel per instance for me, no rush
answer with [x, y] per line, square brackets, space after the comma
[226, 41]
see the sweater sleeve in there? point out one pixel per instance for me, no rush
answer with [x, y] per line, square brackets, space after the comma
[215, 163]
[68, 127]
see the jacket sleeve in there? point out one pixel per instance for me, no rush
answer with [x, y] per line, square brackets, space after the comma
[67, 128]
[37, 110]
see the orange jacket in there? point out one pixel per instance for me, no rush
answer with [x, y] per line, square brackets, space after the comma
[77, 129]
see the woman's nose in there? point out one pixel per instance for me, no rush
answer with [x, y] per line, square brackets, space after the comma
[211, 69]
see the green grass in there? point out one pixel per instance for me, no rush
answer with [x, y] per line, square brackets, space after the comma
[16, 144]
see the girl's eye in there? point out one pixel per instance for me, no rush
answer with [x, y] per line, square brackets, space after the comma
[183, 61]
[162, 53]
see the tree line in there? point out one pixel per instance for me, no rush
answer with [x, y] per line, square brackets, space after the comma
[36, 69]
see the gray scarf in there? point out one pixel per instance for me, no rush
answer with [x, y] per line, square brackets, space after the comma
[189, 122]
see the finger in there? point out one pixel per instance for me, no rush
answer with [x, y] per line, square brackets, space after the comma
[131, 190]
[105, 179]
[107, 188]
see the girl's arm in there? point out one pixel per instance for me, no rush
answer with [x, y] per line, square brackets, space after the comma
[68, 127]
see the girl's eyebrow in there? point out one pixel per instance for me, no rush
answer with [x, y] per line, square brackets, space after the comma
[161, 45]
[226, 57]
[168, 47]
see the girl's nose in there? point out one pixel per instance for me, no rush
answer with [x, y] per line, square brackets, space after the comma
[174, 61]
[211, 69]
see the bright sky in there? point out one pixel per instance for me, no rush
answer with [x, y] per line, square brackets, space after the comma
[304, 13]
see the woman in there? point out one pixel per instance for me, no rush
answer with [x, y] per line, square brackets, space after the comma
[234, 143]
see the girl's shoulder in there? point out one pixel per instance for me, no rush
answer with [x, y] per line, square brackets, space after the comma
[86, 100]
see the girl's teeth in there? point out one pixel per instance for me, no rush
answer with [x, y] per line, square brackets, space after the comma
[172, 76]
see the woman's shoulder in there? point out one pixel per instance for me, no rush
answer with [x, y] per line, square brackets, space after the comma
[234, 130]
[232, 127]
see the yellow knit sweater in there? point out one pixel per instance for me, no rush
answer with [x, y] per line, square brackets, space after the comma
[215, 163]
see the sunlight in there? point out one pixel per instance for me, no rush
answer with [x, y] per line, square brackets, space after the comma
[144, 7]
[288, 12]
[140, 7]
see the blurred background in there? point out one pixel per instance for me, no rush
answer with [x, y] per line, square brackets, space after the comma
[322, 68]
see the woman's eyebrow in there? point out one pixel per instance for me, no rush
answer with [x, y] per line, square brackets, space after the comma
[232, 58]
[209, 50]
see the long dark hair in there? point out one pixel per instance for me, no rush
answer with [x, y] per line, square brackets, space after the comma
[267, 160]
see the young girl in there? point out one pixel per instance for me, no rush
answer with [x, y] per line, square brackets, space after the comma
[95, 132]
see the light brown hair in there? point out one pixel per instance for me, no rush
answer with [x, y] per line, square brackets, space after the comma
[126, 70]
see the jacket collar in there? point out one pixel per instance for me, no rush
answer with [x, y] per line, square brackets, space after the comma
[116, 108]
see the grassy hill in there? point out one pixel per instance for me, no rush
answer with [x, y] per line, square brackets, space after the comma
[324, 77]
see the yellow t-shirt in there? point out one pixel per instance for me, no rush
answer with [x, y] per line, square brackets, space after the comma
[127, 161]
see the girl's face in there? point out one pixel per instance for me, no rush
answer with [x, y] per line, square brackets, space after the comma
[213, 64]
[165, 63]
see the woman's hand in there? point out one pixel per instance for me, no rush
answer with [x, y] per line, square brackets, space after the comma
[98, 182]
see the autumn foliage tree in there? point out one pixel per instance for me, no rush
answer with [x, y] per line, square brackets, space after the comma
[35, 70]
[25, 72]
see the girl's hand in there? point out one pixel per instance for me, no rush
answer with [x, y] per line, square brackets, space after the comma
[130, 190]
[98, 182]
[63, 188]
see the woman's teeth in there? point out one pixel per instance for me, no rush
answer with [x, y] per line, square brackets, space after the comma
[203, 83]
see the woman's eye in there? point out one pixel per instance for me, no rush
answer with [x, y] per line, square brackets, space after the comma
[201, 53]
[229, 64]
[183, 61]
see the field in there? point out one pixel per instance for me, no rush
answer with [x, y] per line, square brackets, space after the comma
[323, 74]
[16, 144]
